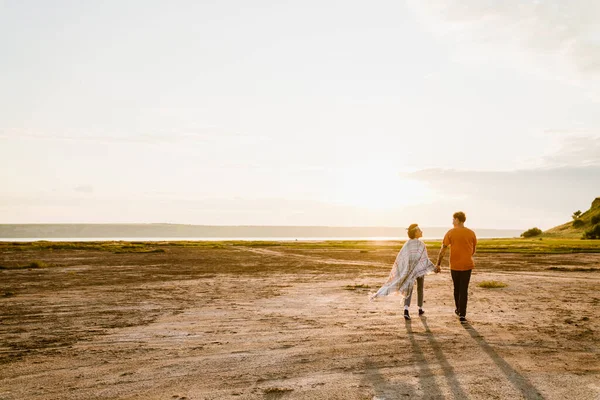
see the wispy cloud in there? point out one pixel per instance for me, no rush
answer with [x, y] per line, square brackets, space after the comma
[112, 208]
[578, 150]
[550, 30]
[88, 189]
[205, 135]
[548, 189]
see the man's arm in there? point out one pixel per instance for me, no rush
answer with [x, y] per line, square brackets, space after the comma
[438, 264]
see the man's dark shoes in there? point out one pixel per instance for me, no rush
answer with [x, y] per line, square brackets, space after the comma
[463, 319]
[406, 315]
[456, 311]
[421, 311]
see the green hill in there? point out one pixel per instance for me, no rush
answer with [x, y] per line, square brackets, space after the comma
[588, 219]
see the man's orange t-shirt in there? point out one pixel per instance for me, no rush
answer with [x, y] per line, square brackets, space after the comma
[462, 242]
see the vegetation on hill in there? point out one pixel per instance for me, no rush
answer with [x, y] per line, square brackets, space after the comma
[583, 225]
[593, 232]
[531, 232]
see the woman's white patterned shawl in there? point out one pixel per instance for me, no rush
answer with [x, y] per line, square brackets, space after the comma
[411, 263]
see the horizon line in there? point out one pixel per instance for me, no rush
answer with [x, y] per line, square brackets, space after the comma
[244, 226]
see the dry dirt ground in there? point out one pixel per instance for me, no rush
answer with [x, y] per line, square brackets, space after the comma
[242, 322]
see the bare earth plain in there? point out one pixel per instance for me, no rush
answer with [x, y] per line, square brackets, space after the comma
[290, 321]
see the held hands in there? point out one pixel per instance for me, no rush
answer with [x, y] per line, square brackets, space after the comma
[437, 269]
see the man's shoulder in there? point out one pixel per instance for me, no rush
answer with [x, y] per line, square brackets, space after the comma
[446, 241]
[453, 231]
[461, 231]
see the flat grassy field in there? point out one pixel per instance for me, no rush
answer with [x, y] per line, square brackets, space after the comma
[531, 246]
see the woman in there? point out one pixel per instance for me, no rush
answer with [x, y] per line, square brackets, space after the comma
[412, 263]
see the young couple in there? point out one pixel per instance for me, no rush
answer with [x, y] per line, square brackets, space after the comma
[412, 264]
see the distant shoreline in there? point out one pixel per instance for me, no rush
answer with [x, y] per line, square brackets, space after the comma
[228, 239]
[170, 232]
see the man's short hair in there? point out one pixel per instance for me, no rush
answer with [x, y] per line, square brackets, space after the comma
[460, 216]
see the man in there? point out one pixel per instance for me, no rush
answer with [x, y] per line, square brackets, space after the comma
[462, 243]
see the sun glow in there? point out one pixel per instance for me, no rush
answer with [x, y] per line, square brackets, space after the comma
[380, 189]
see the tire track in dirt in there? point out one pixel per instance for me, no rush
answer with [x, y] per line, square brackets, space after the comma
[318, 260]
[544, 276]
[334, 261]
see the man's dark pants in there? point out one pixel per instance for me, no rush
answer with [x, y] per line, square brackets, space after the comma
[461, 290]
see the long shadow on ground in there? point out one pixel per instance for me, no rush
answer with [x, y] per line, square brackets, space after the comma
[426, 377]
[449, 374]
[519, 381]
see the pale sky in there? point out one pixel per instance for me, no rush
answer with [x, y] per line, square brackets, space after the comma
[337, 113]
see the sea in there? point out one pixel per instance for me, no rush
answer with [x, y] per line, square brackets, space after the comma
[179, 232]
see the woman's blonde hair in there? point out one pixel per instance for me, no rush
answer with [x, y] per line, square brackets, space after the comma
[412, 230]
